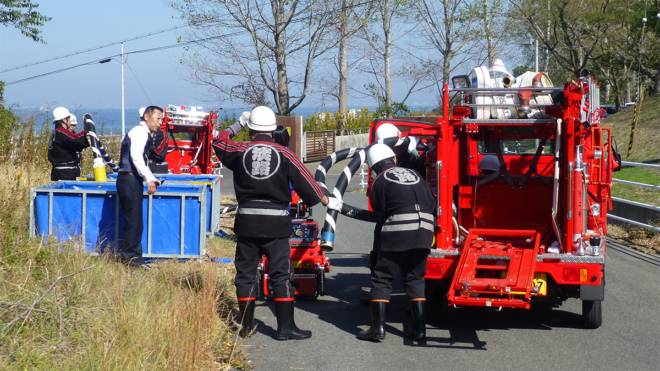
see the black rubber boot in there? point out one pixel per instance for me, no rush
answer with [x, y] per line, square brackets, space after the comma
[377, 330]
[286, 326]
[418, 329]
[247, 317]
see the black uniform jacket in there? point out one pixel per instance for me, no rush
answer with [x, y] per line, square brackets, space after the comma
[262, 171]
[404, 206]
[64, 149]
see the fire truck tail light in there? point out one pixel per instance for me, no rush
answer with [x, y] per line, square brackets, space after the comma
[575, 274]
[583, 275]
[434, 269]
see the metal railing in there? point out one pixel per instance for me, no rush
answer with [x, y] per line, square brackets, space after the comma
[634, 203]
[354, 131]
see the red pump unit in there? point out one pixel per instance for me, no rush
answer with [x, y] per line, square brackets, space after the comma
[309, 262]
[189, 135]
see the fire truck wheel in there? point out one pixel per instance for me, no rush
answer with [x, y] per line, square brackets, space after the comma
[592, 314]
[436, 299]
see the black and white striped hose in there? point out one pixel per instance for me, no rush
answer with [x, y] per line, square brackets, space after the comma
[102, 152]
[328, 231]
[228, 209]
[96, 145]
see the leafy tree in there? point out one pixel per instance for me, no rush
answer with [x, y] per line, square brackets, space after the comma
[22, 15]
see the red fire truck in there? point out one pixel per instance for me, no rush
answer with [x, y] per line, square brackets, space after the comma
[533, 227]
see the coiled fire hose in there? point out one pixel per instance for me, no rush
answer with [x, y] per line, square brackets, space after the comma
[328, 231]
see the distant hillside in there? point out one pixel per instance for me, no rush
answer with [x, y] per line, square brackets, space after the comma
[646, 145]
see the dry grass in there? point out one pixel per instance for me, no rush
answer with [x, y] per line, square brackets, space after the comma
[639, 239]
[110, 317]
[218, 247]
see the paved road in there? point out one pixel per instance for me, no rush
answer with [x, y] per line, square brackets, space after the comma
[466, 338]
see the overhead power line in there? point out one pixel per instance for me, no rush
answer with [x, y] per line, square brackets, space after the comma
[56, 71]
[94, 48]
[197, 41]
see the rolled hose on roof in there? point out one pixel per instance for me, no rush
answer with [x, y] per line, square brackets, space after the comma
[328, 231]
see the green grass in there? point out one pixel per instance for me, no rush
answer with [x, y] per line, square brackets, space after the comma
[646, 149]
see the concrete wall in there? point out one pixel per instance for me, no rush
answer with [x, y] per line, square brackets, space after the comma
[632, 212]
[351, 141]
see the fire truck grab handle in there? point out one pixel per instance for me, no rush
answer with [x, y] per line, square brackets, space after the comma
[570, 190]
[438, 167]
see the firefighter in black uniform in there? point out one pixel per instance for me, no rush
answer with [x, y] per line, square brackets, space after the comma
[406, 156]
[404, 207]
[262, 171]
[64, 147]
[133, 170]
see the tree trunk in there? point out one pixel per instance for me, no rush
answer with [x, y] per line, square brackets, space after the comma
[282, 100]
[617, 102]
[608, 91]
[387, 54]
[343, 64]
[656, 83]
[626, 92]
[547, 37]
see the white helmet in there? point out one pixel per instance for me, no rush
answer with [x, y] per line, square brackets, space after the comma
[387, 131]
[141, 111]
[262, 119]
[73, 121]
[60, 113]
[378, 152]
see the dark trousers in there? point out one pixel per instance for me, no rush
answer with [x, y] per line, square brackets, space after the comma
[249, 251]
[373, 254]
[411, 264]
[64, 174]
[129, 190]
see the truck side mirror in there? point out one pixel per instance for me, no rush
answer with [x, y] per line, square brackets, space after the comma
[617, 159]
[616, 155]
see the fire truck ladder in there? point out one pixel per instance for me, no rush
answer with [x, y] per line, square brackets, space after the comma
[496, 269]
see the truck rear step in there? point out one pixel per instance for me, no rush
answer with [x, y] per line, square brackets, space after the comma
[496, 269]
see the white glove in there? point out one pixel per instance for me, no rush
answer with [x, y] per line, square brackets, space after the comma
[412, 146]
[243, 120]
[335, 204]
[216, 134]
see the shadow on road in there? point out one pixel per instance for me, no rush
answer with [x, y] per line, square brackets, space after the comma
[341, 308]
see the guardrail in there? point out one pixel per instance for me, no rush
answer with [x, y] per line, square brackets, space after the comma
[634, 203]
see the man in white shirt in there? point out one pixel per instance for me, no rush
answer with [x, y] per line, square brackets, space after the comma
[133, 170]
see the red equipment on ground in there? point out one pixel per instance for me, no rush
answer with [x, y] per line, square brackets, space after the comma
[189, 135]
[533, 229]
[309, 262]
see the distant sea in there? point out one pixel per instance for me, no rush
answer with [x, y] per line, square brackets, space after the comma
[108, 121]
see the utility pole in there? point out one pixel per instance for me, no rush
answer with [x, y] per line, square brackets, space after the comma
[536, 55]
[123, 116]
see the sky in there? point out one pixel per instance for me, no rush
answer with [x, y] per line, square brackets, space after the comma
[82, 24]
[149, 78]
